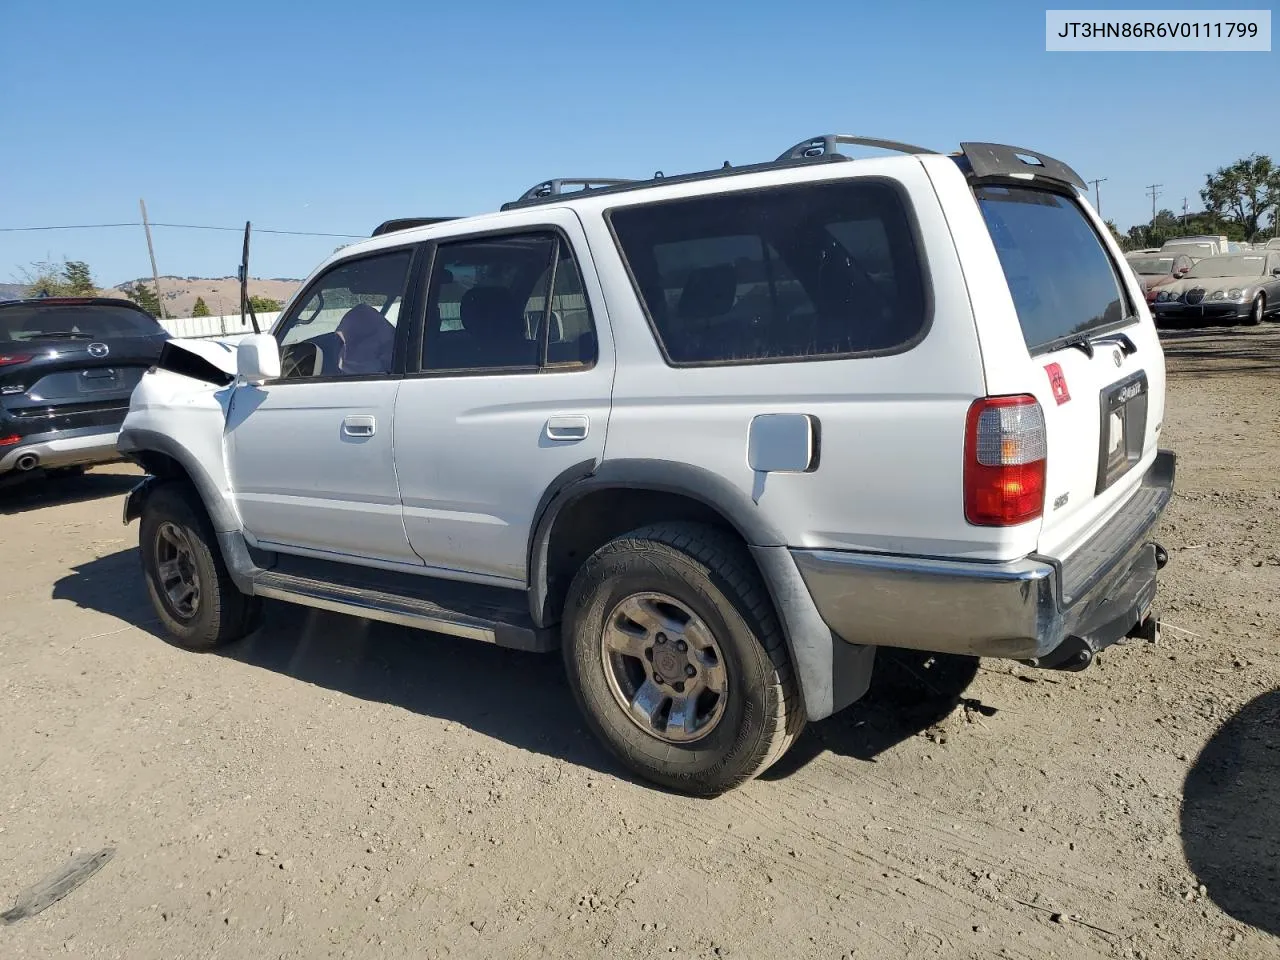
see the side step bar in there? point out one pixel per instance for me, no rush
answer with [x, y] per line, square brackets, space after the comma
[407, 611]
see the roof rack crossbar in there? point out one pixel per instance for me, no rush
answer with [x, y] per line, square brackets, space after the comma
[553, 188]
[825, 145]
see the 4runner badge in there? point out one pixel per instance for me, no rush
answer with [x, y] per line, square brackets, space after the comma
[1058, 383]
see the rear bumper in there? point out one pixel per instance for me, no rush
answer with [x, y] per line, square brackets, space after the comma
[69, 448]
[1038, 609]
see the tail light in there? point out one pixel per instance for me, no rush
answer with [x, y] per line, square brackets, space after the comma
[10, 440]
[9, 358]
[1005, 449]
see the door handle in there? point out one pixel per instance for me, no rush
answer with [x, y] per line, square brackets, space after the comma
[568, 427]
[358, 426]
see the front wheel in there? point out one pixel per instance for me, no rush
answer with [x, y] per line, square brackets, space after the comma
[190, 588]
[1257, 310]
[677, 659]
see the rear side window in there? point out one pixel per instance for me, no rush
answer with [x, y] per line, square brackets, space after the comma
[1062, 281]
[792, 273]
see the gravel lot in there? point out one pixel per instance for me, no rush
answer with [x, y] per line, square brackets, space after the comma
[332, 787]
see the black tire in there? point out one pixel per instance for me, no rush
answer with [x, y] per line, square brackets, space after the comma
[222, 614]
[712, 574]
[1257, 310]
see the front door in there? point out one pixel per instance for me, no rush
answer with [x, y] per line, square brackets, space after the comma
[311, 453]
[512, 390]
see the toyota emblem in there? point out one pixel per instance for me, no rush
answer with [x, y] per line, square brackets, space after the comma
[98, 350]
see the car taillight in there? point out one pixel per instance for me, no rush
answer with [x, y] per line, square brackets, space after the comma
[1005, 449]
[10, 440]
[7, 358]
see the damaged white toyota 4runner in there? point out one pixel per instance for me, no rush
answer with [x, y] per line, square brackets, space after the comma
[715, 436]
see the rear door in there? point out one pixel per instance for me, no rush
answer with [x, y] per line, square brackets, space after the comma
[1084, 346]
[511, 391]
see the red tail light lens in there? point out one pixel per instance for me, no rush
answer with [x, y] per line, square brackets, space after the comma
[8, 358]
[10, 440]
[1005, 449]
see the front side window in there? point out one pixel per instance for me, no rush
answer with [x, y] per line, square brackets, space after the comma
[345, 325]
[488, 306]
[792, 273]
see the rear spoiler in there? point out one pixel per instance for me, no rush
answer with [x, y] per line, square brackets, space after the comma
[1002, 160]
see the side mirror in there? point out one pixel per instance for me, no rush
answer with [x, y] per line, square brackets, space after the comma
[1275, 272]
[258, 358]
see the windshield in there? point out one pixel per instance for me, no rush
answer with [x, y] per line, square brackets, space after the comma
[1228, 267]
[24, 322]
[1059, 274]
[1153, 265]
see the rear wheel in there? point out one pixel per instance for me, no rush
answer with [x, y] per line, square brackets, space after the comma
[190, 588]
[678, 661]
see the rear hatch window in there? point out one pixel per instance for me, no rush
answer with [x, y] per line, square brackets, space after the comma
[25, 323]
[1062, 281]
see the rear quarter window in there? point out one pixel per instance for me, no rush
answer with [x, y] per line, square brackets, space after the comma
[1059, 274]
[806, 272]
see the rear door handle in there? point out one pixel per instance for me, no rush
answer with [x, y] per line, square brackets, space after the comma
[358, 426]
[573, 427]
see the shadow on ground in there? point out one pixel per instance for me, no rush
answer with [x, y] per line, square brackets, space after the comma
[56, 491]
[1231, 817]
[520, 698]
[1222, 351]
[910, 692]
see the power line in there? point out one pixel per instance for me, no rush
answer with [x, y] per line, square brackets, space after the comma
[182, 226]
[1097, 195]
[1155, 191]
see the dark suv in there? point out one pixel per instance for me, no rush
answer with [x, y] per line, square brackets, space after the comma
[67, 368]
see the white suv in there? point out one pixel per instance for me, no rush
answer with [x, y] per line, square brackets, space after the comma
[716, 436]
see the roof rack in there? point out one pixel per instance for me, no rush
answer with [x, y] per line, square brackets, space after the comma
[407, 223]
[825, 145]
[554, 188]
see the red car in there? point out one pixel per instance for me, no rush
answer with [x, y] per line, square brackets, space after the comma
[1155, 270]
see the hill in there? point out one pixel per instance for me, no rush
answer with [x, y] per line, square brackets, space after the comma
[221, 294]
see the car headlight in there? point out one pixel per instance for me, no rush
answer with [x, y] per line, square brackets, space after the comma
[1235, 293]
[1166, 296]
[1217, 295]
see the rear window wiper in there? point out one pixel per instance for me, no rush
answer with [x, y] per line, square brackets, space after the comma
[1088, 341]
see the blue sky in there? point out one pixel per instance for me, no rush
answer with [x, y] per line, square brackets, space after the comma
[332, 117]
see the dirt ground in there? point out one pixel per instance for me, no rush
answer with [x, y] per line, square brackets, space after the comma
[335, 788]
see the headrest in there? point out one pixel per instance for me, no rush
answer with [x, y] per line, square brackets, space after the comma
[708, 292]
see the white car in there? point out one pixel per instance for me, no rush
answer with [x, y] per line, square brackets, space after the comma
[716, 436]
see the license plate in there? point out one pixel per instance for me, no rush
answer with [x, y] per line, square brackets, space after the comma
[92, 381]
[1123, 428]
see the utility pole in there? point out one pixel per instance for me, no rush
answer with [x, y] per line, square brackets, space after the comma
[1155, 191]
[151, 250]
[1184, 213]
[1097, 197]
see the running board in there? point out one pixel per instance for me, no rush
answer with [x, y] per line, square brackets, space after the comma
[407, 611]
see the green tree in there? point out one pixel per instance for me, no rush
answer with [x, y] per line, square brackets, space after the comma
[65, 278]
[1244, 192]
[201, 309]
[264, 304]
[1119, 237]
[144, 297]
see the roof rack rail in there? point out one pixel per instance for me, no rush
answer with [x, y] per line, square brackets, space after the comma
[553, 188]
[407, 223]
[825, 145]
